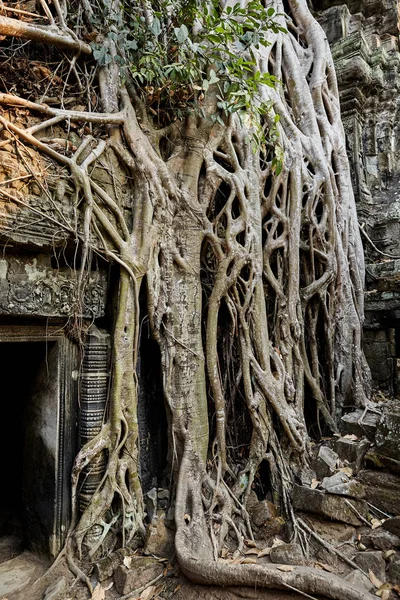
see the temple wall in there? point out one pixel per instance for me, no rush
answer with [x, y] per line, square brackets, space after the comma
[364, 39]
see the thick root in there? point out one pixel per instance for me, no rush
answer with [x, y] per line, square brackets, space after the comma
[303, 579]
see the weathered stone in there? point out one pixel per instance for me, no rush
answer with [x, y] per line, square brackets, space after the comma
[393, 525]
[382, 490]
[373, 459]
[373, 561]
[57, 590]
[387, 437]
[356, 423]
[260, 511]
[142, 571]
[380, 539]
[393, 572]
[10, 546]
[159, 539]
[325, 463]
[359, 580]
[105, 567]
[341, 484]
[351, 451]
[287, 554]
[329, 505]
[17, 573]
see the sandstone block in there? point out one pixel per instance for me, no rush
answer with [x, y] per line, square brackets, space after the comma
[142, 571]
[329, 505]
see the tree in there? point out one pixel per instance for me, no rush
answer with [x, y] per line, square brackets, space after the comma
[222, 133]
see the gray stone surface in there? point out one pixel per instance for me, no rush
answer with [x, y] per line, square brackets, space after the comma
[393, 524]
[142, 570]
[358, 424]
[387, 437]
[57, 590]
[359, 580]
[325, 462]
[382, 489]
[287, 554]
[341, 484]
[380, 539]
[351, 451]
[373, 561]
[17, 573]
[393, 572]
[329, 505]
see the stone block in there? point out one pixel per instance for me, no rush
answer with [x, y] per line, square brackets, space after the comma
[393, 524]
[287, 554]
[142, 571]
[351, 451]
[387, 437]
[372, 459]
[373, 561]
[342, 485]
[326, 462]
[352, 424]
[393, 573]
[382, 489]
[328, 505]
[159, 539]
[57, 590]
[359, 580]
[380, 539]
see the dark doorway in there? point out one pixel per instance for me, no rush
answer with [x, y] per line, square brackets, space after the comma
[26, 376]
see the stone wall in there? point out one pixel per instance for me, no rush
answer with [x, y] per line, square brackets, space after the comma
[364, 39]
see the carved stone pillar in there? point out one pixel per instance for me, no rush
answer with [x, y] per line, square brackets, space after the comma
[93, 398]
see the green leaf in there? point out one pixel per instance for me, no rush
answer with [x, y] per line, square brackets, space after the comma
[155, 27]
[181, 33]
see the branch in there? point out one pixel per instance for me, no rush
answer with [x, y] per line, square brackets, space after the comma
[72, 115]
[43, 34]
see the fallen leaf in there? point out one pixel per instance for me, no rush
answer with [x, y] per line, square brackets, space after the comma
[99, 593]
[250, 543]
[388, 554]
[264, 552]
[375, 523]
[314, 483]
[109, 586]
[362, 547]
[249, 561]
[374, 580]
[284, 568]
[253, 551]
[384, 591]
[347, 471]
[148, 593]
[178, 587]
[350, 436]
[128, 561]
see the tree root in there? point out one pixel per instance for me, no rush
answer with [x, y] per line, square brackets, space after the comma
[302, 579]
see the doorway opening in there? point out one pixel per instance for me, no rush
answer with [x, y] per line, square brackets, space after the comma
[25, 378]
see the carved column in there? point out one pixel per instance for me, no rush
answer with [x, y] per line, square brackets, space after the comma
[93, 398]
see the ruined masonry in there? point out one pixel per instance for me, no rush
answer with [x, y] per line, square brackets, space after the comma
[364, 39]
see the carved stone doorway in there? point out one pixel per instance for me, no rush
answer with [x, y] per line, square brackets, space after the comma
[38, 402]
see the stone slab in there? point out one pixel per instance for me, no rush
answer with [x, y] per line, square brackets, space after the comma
[16, 573]
[328, 505]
